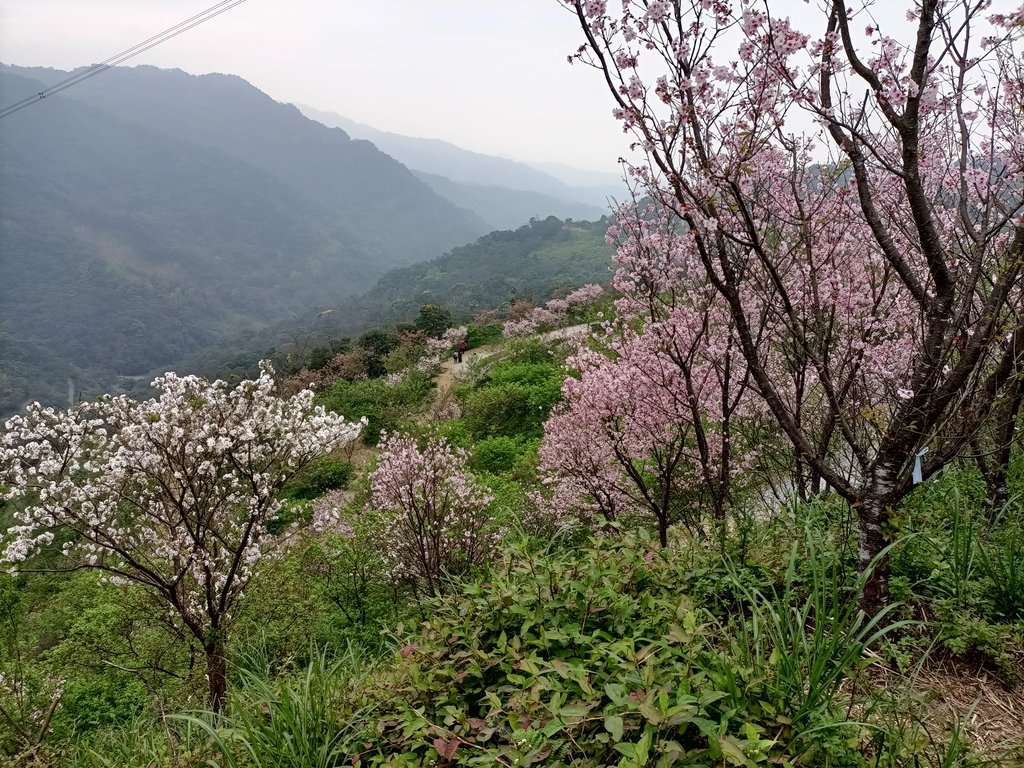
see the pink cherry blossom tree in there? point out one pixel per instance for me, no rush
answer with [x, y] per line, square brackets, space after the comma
[435, 515]
[648, 426]
[878, 248]
[554, 313]
[175, 494]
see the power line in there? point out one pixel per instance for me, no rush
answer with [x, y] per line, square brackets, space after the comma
[123, 56]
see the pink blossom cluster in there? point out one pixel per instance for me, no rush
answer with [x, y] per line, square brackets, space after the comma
[328, 514]
[860, 283]
[437, 514]
[552, 313]
[437, 350]
[448, 341]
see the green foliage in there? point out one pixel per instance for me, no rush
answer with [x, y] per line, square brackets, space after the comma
[1001, 557]
[503, 454]
[967, 572]
[322, 354]
[316, 478]
[502, 410]
[797, 645]
[604, 657]
[141, 741]
[379, 342]
[93, 702]
[516, 397]
[357, 600]
[385, 406]
[482, 335]
[285, 723]
[434, 319]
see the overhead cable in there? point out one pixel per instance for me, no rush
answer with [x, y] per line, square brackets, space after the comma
[96, 69]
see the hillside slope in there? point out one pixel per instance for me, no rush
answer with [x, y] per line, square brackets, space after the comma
[397, 217]
[161, 213]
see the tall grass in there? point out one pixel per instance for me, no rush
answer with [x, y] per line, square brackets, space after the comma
[805, 639]
[289, 723]
[1001, 557]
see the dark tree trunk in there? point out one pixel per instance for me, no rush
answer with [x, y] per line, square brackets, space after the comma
[216, 670]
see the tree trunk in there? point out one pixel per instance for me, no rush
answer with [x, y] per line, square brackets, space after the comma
[995, 467]
[873, 512]
[216, 670]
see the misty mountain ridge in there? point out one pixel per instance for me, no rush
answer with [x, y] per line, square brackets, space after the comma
[556, 184]
[149, 214]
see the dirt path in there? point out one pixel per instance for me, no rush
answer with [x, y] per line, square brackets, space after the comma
[450, 370]
[448, 376]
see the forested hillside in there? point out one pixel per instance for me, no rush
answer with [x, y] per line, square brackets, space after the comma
[531, 263]
[152, 213]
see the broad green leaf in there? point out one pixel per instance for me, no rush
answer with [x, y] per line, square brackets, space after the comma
[614, 725]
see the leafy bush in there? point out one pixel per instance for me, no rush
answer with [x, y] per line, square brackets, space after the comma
[482, 335]
[515, 400]
[379, 342]
[96, 701]
[502, 454]
[385, 406]
[599, 657]
[318, 477]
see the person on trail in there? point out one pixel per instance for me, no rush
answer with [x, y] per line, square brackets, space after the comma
[462, 348]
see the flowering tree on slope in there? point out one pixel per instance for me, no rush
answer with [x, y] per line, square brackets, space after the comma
[438, 525]
[649, 424]
[175, 494]
[885, 281]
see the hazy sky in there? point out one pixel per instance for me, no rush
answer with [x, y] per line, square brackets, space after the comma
[488, 75]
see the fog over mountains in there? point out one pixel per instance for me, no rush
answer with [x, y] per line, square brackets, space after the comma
[505, 193]
[147, 214]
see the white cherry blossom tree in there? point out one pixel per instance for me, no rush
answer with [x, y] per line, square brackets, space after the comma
[176, 494]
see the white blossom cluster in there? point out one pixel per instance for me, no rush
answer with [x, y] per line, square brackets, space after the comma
[175, 493]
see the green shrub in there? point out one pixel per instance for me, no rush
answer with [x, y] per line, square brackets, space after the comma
[598, 656]
[502, 455]
[385, 406]
[316, 478]
[91, 702]
[482, 335]
[515, 400]
[502, 411]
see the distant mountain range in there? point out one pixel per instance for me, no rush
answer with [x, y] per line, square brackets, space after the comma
[148, 214]
[504, 193]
